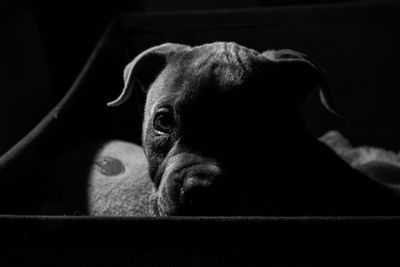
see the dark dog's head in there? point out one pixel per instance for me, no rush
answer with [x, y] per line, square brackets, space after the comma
[211, 120]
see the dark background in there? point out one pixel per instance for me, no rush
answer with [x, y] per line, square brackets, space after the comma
[44, 45]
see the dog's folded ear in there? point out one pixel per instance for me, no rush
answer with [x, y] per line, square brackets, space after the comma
[144, 68]
[304, 74]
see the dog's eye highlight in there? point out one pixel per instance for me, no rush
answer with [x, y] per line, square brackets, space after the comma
[163, 121]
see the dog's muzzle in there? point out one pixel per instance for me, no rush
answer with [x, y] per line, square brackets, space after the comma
[190, 186]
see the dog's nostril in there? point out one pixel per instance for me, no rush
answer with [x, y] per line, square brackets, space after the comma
[194, 194]
[195, 191]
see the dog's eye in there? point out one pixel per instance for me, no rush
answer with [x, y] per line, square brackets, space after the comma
[163, 121]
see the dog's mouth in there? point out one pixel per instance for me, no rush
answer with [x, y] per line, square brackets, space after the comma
[203, 188]
[190, 188]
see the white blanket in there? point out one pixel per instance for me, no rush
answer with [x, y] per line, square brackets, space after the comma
[377, 163]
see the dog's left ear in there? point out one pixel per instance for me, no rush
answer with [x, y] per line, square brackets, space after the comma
[144, 68]
[305, 74]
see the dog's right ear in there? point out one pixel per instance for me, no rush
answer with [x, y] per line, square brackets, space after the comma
[143, 69]
[304, 75]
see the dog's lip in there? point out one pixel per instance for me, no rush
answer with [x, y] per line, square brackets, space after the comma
[195, 163]
[185, 166]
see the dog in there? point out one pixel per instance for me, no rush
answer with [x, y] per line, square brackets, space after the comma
[223, 136]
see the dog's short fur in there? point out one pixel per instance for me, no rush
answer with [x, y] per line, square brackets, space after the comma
[220, 121]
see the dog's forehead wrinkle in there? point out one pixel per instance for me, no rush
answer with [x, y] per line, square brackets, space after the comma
[215, 66]
[228, 62]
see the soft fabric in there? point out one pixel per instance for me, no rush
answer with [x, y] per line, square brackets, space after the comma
[112, 191]
[102, 178]
[377, 163]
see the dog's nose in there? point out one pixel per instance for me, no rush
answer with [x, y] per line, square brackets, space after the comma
[199, 195]
[194, 186]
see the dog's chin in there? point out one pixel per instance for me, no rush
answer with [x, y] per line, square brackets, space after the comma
[164, 207]
[167, 205]
[229, 202]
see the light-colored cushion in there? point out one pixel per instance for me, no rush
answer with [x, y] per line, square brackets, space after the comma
[377, 163]
[104, 179]
[118, 181]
